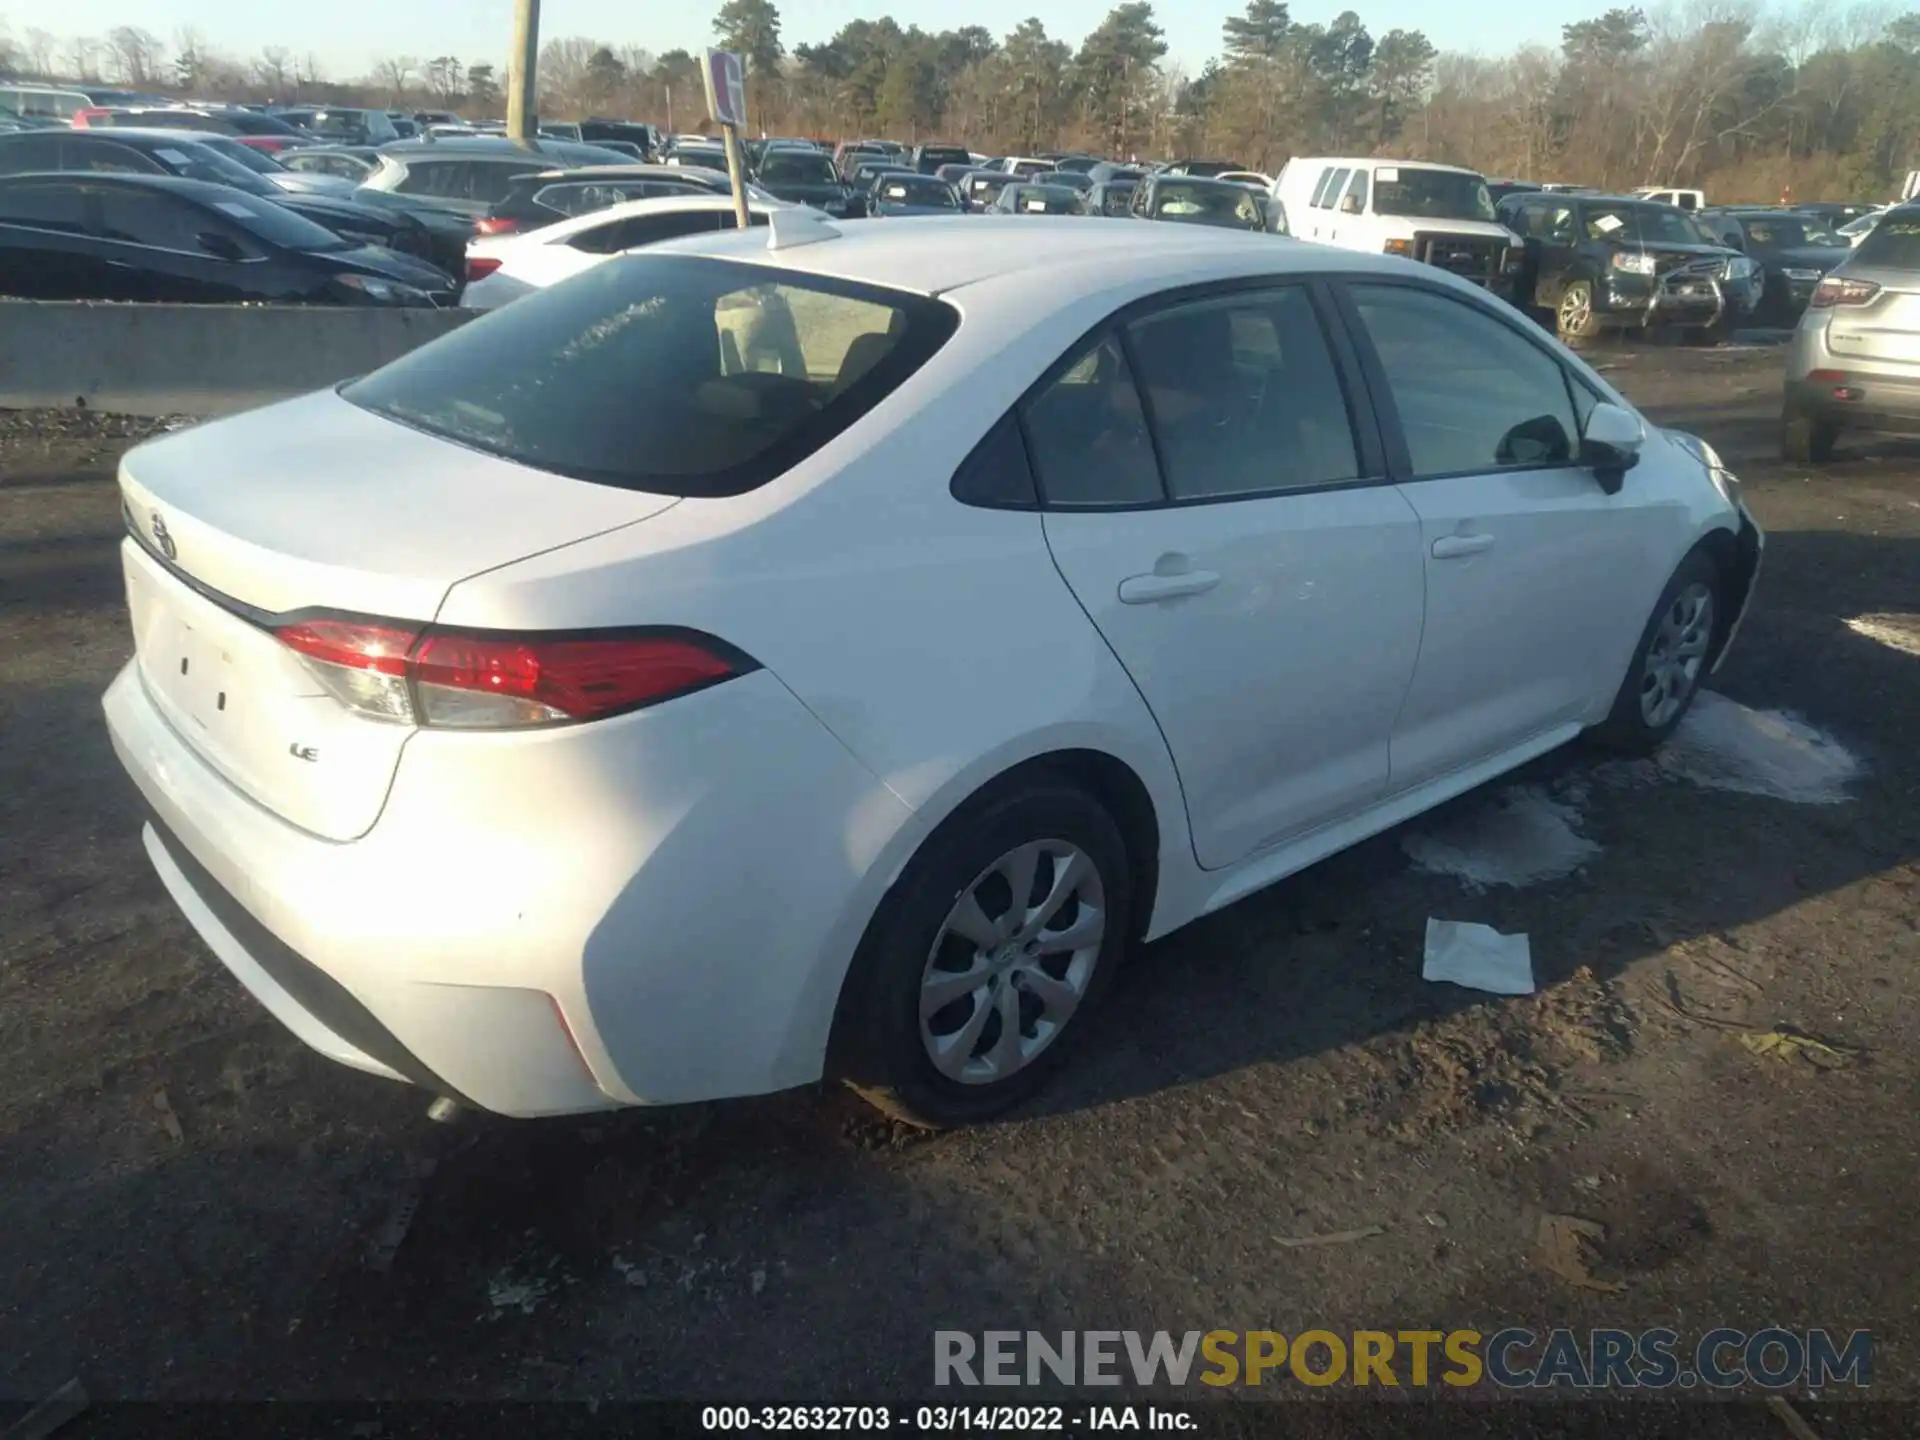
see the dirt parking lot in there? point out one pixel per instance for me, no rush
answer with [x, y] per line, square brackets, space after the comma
[193, 1206]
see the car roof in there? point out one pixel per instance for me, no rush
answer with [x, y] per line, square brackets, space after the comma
[635, 171]
[146, 134]
[203, 190]
[1073, 256]
[655, 205]
[1378, 160]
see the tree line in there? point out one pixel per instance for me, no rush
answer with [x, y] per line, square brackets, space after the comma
[1821, 102]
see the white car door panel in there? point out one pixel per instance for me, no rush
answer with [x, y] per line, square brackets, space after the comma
[1269, 606]
[1532, 568]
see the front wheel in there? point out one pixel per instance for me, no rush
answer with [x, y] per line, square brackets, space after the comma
[1807, 441]
[1575, 318]
[1669, 663]
[1003, 930]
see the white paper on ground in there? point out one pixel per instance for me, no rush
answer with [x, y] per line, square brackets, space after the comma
[1478, 957]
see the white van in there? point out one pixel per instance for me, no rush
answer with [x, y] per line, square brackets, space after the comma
[45, 103]
[1439, 214]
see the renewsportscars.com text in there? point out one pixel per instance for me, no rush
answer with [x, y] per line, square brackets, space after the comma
[1514, 1358]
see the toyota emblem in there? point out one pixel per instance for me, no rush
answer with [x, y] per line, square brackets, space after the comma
[164, 538]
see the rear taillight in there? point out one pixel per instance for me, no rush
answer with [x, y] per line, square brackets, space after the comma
[1834, 290]
[479, 679]
[481, 266]
[84, 119]
[494, 225]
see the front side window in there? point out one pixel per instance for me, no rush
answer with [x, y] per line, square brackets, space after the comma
[1243, 396]
[137, 216]
[1471, 393]
[1357, 193]
[670, 374]
[1087, 433]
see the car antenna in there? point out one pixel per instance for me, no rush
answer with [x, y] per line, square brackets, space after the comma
[797, 225]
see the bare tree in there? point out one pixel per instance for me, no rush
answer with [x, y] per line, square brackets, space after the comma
[396, 75]
[135, 54]
[271, 72]
[38, 47]
[83, 53]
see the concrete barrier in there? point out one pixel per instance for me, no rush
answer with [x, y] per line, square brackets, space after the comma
[195, 359]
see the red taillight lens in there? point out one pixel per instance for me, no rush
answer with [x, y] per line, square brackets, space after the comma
[481, 266]
[494, 225]
[1837, 291]
[83, 119]
[491, 680]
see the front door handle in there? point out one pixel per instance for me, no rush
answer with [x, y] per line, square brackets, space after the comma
[1452, 547]
[1145, 589]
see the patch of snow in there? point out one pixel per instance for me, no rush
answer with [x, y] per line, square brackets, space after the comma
[1897, 632]
[1520, 836]
[1723, 745]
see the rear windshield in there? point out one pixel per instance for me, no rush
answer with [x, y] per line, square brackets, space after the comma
[1206, 204]
[798, 167]
[671, 374]
[1894, 243]
[918, 190]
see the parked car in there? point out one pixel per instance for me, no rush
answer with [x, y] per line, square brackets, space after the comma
[553, 130]
[541, 197]
[1112, 170]
[868, 169]
[106, 236]
[928, 159]
[1596, 262]
[1195, 200]
[576, 694]
[1110, 197]
[1794, 251]
[263, 132]
[1205, 169]
[602, 131]
[347, 162]
[1678, 198]
[1252, 178]
[1437, 214]
[849, 153]
[954, 175]
[806, 177]
[505, 267]
[181, 153]
[269, 167]
[1025, 167]
[1023, 198]
[983, 188]
[1498, 190]
[1837, 212]
[708, 156]
[1854, 360]
[1071, 163]
[1075, 180]
[898, 196]
[469, 177]
[340, 124]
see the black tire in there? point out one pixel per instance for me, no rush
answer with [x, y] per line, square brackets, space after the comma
[877, 1047]
[1585, 325]
[1715, 334]
[1806, 440]
[1626, 728]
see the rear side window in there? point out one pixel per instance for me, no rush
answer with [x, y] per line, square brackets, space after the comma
[671, 374]
[49, 205]
[135, 215]
[1087, 432]
[21, 153]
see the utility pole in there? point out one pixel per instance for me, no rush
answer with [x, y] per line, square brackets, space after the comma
[523, 77]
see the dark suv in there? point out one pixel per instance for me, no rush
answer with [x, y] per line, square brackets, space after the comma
[1600, 261]
[1793, 250]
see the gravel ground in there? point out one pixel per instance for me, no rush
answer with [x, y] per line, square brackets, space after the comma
[1277, 1071]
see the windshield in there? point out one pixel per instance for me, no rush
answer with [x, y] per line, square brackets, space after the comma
[1893, 245]
[195, 161]
[1644, 224]
[1789, 232]
[671, 374]
[1430, 194]
[906, 191]
[280, 226]
[252, 159]
[1114, 199]
[1204, 204]
[797, 167]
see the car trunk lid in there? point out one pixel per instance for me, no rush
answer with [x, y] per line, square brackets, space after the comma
[315, 507]
[1886, 327]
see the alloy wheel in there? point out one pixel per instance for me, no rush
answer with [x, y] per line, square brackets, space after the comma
[1012, 962]
[1675, 657]
[1575, 308]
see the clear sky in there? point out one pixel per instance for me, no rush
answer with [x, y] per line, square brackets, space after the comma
[348, 36]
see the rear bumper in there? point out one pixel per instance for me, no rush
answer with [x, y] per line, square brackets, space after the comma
[1869, 402]
[656, 908]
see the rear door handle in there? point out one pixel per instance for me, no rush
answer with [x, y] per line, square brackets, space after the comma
[1145, 589]
[1452, 547]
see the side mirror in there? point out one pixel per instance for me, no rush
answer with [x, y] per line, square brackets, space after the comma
[1611, 444]
[1349, 204]
[221, 247]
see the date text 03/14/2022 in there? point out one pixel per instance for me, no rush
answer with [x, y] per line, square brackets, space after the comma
[944, 1419]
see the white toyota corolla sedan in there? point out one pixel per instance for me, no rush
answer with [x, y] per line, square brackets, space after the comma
[811, 652]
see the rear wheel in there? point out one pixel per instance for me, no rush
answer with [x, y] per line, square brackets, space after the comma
[1574, 318]
[1806, 439]
[1005, 927]
[1670, 662]
[1715, 334]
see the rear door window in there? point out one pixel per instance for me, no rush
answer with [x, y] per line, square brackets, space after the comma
[43, 205]
[671, 374]
[446, 179]
[134, 215]
[1335, 185]
[1087, 431]
[21, 153]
